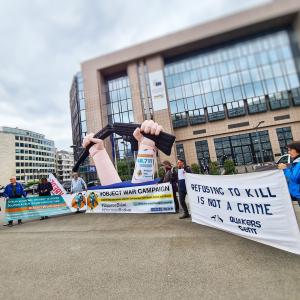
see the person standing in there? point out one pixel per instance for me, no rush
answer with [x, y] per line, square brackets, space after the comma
[171, 176]
[14, 190]
[182, 170]
[292, 171]
[44, 189]
[77, 185]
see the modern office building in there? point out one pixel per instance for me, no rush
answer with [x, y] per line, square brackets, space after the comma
[64, 165]
[79, 127]
[78, 116]
[227, 88]
[27, 155]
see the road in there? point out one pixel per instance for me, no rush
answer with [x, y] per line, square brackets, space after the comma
[84, 256]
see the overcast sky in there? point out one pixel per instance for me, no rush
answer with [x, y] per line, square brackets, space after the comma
[43, 43]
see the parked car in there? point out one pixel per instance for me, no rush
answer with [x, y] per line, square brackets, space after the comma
[285, 159]
[31, 189]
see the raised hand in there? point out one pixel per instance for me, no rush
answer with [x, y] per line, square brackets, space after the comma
[99, 145]
[149, 127]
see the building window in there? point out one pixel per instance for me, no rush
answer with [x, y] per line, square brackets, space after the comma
[296, 96]
[202, 152]
[216, 113]
[235, 109]
[197, 116]
[243, 70]
[244, 148]
[257, 105]
[180, 151]
[279, 100]
[119, 109]
[285, 137]
[179, 120]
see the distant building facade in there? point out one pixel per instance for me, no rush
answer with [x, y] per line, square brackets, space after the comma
[64, 165]
[79, 127]
[26, 154]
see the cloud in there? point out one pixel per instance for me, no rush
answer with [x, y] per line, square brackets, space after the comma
[43, 43]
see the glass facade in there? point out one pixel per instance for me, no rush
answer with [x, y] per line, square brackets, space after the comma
[285, 137]
[244, 148]
[232, 80]
[78, 115]
[81, 103]
[119, 109]
[202, 152]
[180, 151]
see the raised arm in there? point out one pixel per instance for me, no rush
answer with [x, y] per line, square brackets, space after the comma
[144, 165]
[105, 168]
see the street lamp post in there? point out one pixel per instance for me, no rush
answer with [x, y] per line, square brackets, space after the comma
[259, 143]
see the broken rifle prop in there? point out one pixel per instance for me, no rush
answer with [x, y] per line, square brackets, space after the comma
[164, 141]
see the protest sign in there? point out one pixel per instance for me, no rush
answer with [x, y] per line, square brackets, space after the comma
[144, 170]
[156, 198]
[256, 206]
[58, 189]
[40, 206]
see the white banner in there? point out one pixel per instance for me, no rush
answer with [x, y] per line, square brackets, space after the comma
[256, 206]
[157, 198]
[158, 90]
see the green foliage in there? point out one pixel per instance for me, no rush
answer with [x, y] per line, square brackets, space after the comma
[161, 172]
[32, 182]
[125, 169]
[229, 167]
[195, 168]
[214, 168]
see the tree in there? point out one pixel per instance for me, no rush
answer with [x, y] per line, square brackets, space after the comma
[214, 168]
[195, 168]
[125, 169]
[229, 167]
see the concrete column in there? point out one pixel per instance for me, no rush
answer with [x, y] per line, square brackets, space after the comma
[274, 142]
[138, 111]
[162, 117]
[92, 98]
[190, 152]
[212, 149]
[295, 127]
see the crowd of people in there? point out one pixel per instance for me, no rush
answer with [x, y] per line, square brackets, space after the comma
[174, 175]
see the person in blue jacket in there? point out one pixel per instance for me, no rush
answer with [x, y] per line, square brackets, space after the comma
[292, 171]
[14, 190]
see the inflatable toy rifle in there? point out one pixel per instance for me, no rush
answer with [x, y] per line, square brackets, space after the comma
[164, 141]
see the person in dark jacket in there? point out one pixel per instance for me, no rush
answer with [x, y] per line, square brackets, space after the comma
[292, 171]
[14, 190]
[182, 170]
[171, 176]
[44, 189]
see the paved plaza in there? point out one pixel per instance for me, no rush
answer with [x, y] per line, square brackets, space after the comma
[123, 256]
